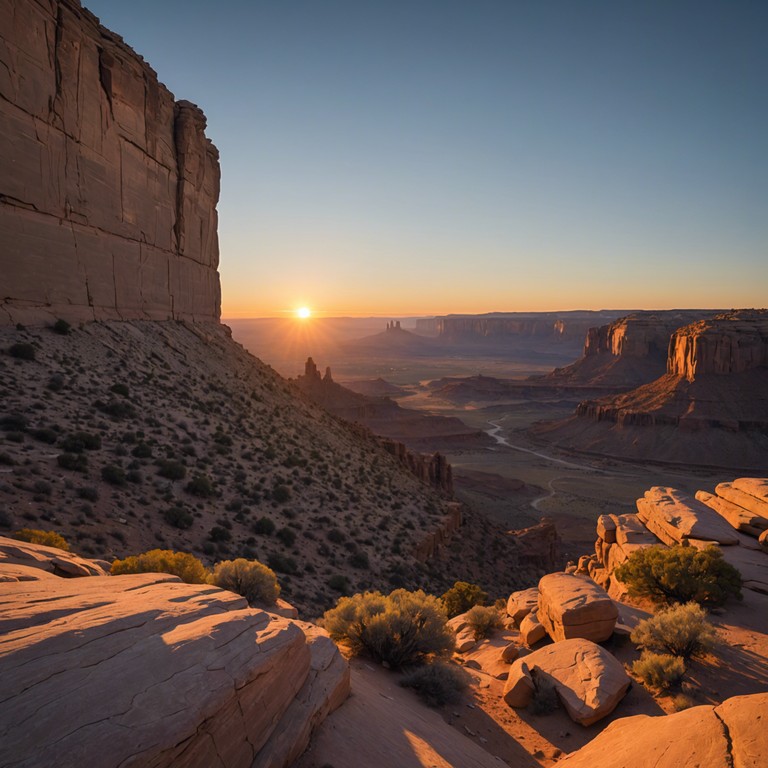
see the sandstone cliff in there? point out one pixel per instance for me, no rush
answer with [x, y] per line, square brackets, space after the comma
[108, 186]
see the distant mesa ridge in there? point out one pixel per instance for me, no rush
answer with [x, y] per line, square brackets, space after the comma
[109, 185]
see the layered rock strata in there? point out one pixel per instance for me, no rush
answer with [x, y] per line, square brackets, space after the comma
[21, 561]
[165, 674]
[109, 185]
[730, 735]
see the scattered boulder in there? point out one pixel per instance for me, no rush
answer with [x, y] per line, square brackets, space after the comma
[731, 735]
[573, 606]
[521, 603]
[531, 629]
[510, 653]
[606, 528]
[589, 681]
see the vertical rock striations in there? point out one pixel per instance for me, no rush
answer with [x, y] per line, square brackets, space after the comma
[108, 186]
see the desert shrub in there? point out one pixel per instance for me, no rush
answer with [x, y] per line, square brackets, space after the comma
[219, 533]
[88, 493]
[120, 389]
[336, 536]
[6, 459]
[338, 583]
[359, 560]
[682, 630]
[78, 442]
[544, 699]
[401, 628]
[681, 702]
[56, 382]
[281, 493]
[482, 620]
[249, 578]
[14, 422]
[461, 597]
[42, 487]
[178, 517]
[187, 567]
[201, 485]
[46, 435]
[678, 574]
[77, 462]
[436, 684]
[168, 468]
[22, 351]
[117, 409]
[46, 538]
[62, 327]
[142, 451]
[282, 563]
[263, 526]
[286, 536]
[113, 474]
[659, 670]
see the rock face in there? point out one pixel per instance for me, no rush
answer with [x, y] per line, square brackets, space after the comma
[109, 186]
[34, 561]
[144, 670]
[589, 681]
[731, 735]
[572, 606]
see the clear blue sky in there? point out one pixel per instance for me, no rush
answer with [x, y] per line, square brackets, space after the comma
[410, 157]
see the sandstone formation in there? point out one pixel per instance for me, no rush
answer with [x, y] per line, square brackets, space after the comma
[667, 516]
[572, 606]
[531, 629]
[521, 603]
[109, 186]
[730, 735]
[35, 561]
[539, 545]
[675, 517]
[589, 681]
[144, 670]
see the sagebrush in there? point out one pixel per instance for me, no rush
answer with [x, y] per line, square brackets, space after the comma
[437, 683]
[253, 580]
[461, 597]
[46, 538]
[482, 619]
[187, 567]
[659, 670]
[682, 630]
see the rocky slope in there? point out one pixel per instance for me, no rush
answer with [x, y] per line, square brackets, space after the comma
[108, 185]
[710, 408]
[165, 673]
[127, 436]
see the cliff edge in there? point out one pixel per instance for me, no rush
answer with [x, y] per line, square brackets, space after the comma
[108, 185]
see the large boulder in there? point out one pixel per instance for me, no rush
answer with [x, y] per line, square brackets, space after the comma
[144, 670]
[573, 606]
[731, 735]
[675, 516]
[589, 681]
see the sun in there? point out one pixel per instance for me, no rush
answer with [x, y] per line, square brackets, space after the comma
[303, 313]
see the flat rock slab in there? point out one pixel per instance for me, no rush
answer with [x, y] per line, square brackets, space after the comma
[589, 681]
[675, 516]
[572, 606]
[50, 559]
[742, 493]
[736, 516]
[695, 737]
[142, 670]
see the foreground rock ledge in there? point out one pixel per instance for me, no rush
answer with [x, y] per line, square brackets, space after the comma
[144, 670]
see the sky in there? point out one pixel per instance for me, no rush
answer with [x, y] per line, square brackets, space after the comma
[417, 157]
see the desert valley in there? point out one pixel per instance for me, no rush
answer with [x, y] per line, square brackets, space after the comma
[523, 538]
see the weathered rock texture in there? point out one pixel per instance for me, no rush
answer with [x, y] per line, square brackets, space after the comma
[589, 681]
[144, 670]
[108, 186]
[572, 606]
[34, 561]
[731, 735]
[668, 516]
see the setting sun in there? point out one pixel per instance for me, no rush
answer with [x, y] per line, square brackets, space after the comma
[303, 313]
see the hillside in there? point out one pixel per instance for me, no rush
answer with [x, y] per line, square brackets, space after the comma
[127, 436]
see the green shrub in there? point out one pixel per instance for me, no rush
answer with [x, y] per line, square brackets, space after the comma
[482, 620]
[680, 574]
[682, 630]
[202, 486]
[436, 684]
[401, 628]
[249, 578]
[113, 474]
[178, 517]
[659, 670]
[46, 538]
[219, 533]
[77, 462]
[22, 351]
[169, 469]
[62, 327]
[187, 567]
[263, 526]
[461, 597]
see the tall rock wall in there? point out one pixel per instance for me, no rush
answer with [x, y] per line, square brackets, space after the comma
[108, 186]
[732, 342]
